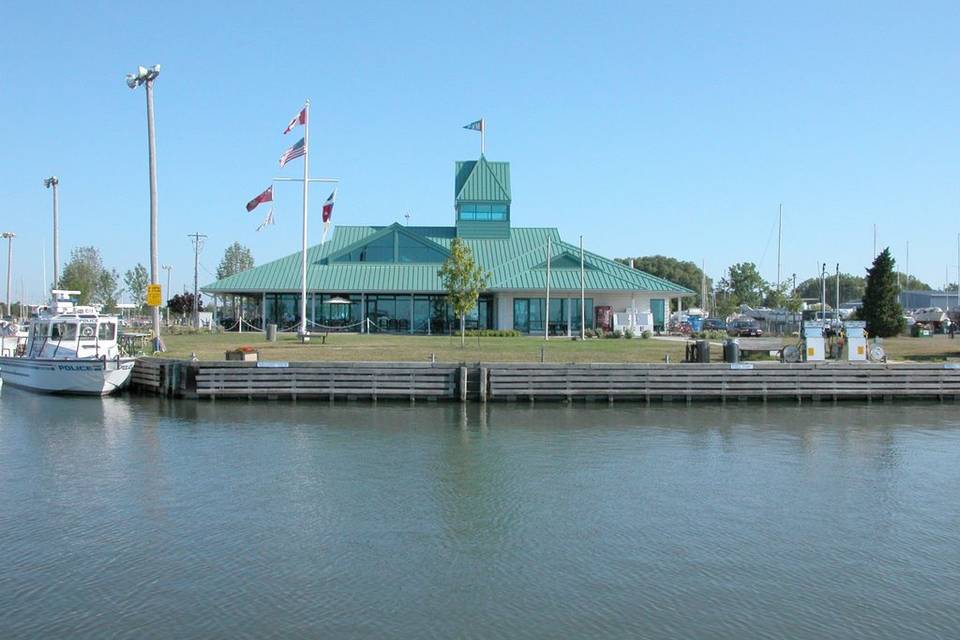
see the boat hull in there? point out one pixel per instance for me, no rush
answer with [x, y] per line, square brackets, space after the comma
[73, 377]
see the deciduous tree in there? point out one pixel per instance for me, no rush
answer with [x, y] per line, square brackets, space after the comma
[463, 279]
[744, 285]
[681, 272]
[137, 280]
[85, 273]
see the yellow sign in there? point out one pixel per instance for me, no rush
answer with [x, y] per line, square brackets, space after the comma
[154, 297]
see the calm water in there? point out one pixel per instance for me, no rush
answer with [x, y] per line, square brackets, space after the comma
[138, 518]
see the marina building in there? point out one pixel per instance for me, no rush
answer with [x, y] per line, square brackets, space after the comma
[385, 278]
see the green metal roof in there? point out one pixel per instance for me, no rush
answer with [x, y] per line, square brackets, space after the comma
[516, 262]
[482, 181]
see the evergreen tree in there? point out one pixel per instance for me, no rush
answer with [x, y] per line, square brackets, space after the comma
[881, 310]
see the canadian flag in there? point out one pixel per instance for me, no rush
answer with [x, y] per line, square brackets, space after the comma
[266, 196]
[327, 214]
[300, 118]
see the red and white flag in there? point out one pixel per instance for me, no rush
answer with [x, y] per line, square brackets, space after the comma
[266, 196]
[328, 213]
[300, 118]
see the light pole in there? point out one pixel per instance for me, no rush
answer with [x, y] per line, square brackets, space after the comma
[168, 268]
[51, 183]
[9, 235]
[146, 77]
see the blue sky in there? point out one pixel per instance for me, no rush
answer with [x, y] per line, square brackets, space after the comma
[672, 128]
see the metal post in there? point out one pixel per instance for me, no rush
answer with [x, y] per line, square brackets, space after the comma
[823, 292]
[779, 244]
[56, 235]
[168, 268]
[583, 311]
[9, 236]
[483, 126]
[958, 271]
[837, 310]
[907, 283]
[51, 183]
[152, 148]
[303, 256]
[546, 319]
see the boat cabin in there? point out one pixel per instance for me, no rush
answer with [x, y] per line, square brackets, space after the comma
[67, 331]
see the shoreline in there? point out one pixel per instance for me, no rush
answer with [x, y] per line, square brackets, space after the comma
[531, 382]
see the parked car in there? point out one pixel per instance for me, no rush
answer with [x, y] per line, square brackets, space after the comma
[744, 328]
[714, 324]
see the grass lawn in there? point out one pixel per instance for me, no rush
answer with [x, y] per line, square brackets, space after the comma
[350, 346]
[933, 349]
[355, 347]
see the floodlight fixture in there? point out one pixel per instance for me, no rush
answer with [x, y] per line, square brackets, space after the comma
[52, 181]
[142, 75]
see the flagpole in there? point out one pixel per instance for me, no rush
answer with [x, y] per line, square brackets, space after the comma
[303, 257]
[583, 325]
[546, 320]
[483, 125]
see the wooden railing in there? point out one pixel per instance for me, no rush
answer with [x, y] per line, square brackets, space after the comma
[723, 381]
[362, 380]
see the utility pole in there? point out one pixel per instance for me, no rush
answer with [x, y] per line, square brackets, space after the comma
[197, 239]
[958, 271]
[51, 183]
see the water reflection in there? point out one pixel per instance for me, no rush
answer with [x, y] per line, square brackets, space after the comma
[247, 519]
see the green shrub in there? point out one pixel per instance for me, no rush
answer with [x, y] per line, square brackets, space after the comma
[647, 334]
[493, 333]
[628, 333]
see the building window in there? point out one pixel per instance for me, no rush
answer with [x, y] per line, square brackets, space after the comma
[480, 211]
[394, 247]
[528, 315]
[575, 314]
[412, 250]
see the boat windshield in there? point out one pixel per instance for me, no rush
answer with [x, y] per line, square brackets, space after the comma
[108, 331]
[64, 331]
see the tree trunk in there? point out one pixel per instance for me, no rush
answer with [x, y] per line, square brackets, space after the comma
[463, 328]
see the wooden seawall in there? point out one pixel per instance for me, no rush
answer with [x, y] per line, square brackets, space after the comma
[531, 382]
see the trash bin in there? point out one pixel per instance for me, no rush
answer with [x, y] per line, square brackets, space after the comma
[703, 351]
[731, 351]
[271, 333]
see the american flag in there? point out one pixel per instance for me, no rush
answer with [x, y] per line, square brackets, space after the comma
[296, 151]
